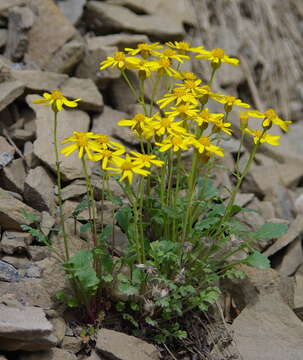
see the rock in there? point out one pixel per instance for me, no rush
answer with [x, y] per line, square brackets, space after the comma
[9, 91]
[105, 18]
[43, 44]
[121, 41]
[3, 37]
[24, 328]
[53, 354]
[6, 152]
[39, 190]
[292, 259]
[282, 201]
[15, 242]
[5, 5]
[120, 346]
[67, 57]
[299, 204]
[72, 344]
[33, 272]
[86, 90]
[18, 261]
[298, 296]
[59, 326]
[8, 272]
[47, 222]
[30, 158]
[38, 253]
[106, 123]
[258, 283]
[20, 21]
[276, 331]
[75, 190]
[73, 10]
[295, 229]
[13, 176]
[11, 212]
[68, 122]
[40, 81]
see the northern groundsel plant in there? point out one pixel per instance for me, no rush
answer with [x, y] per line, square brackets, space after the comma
[178, 226]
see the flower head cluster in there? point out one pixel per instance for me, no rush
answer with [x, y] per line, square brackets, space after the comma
[56, 100]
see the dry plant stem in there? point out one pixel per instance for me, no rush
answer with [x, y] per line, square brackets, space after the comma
[91, 201]
[65, 238]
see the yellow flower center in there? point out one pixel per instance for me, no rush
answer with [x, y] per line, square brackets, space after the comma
[270, 114]
[218, 53]
[139, 118]
[230, 100]
[82, 139]
[205, 114]
[103, 139]
[258, 133]
[182, 109]
[190, 84]
[183, 45]
[144, 47]
[119, 56]
[204, 141]
[165, 122]
[176, 141]
[107, 153]
[145, 158]
[164, 62]
[126, 165]
[189, 76]
[56, 95]
[169, 52]
[179, 92]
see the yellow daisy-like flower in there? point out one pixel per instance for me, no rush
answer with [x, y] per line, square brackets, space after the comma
[203, 144]
[83, 141]
[146, 160]
[118, 60]
[206, 117]
[176, 142]
[184, 111]
[127, 168]
[271, 117]
[183, 47]
[217, 56]
[165, 67]
[220, 125]
[138, 123]
[145, 50]
[145, 67]
[56, 99]
[166, 125]
[180, 95]
[191, 86]
[261, 137]
[174, 55]
[106, 155]
[105, 142]
[187, 75]
[229, 102]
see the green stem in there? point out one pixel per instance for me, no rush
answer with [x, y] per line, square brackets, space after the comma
[212, 77]
[154, 91]
[130, 85]
[176, 194]
[62, 221]
[142, 94]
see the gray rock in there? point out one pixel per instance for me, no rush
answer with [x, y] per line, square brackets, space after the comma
[67, 57]
[43, 43]
[120, 346]
[38, 253]
[72, 344]
[299, 204]
[292, 259]
[5, 5]
[268, 330]
[47, 222]
[121, 41]
[15, 242]
[53, 354]
[34, 272]
[105, 18]
[13, 176]
[73, 10]
[84, 89]
[24, 328]
[9, 91]
[11, 212]
[6, 152]
[3, 37]
[59, 326]
[8, 272]
[20, 21]
[39, 190]
[68, 122]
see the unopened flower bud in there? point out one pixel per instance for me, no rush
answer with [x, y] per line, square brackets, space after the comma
[243, 120]
[266, 124]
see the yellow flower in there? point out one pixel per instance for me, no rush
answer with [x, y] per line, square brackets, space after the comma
[261, 137]
[56, 100]
[138, 123]
[205, 117]
[119, 60]
[166, 125]
[173, 55]
[165, 67]
[105, 142]
[145, 67]
[176, 142]
[145, 50]
[184, 47]
[217, 56]
[180, 95]
[184, 111]
[187, 75]
[271, 117]
[127, 168]
[191, 86]
[220, 125]
[229, 102]
[203, 144]
[146, 160]
[106, 155]
[82, 142]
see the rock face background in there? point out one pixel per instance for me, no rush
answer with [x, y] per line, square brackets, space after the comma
[47, 45]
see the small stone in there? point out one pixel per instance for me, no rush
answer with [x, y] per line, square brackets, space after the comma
[8, 272]
[9, 91]
[73, 10]
[120, 346]
[38, 253]
[34, 271]
[18, 261]
[15, 242]
[43, 44]
[39, 190]
[59, 326]
[6, 152]
[72, 343]
[13, 176]
[47, 223]
[75, 190]
[121, 41]
[53, 354]
[299, 204]
[292, 259]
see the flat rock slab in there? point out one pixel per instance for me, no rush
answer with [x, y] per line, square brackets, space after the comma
[119, 346]
[24, 328]
[68, 121]
[53, 354]
[9, 91]
[269, 330]
[43, 43]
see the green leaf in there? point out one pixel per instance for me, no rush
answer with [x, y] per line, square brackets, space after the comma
[85, 227]
[81, 260]
[270, 231]
[107, 278]
[206, 188]
[114, 199]
[80, 207]
[88, 278]
[206, 223]
[120, 306]
[123, 217]
[36, 234]
[258, 260]
[127, 289]
[28, 216]
[105, 234]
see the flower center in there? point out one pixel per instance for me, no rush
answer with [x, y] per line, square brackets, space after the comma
[218, 53]
[230, 100]
[139, 118]
[183, 45]
[182, 109]
[189, 75]
[270, 114]
[176, 141]
[126, 165]
[164, 62]
[82, 139]
[180, 92]
[145, 157]
[169, 52]
[103, 139]
[165, 122]
[119, 56]
[258, 133]
[144, 47]
[204, 141]
[56, 95]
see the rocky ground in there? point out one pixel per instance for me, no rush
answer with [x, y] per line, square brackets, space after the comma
[48, 45]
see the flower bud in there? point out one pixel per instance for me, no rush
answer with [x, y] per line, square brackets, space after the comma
[266, 124]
